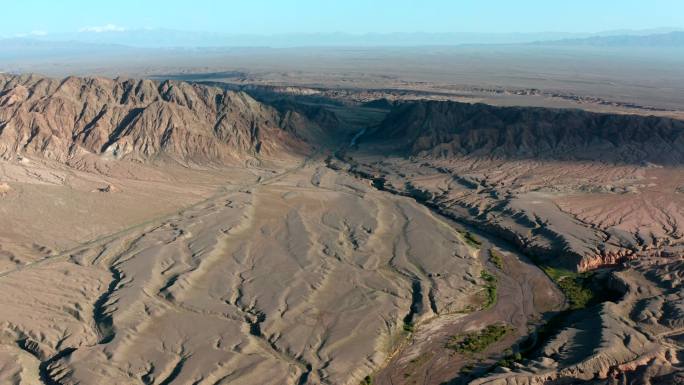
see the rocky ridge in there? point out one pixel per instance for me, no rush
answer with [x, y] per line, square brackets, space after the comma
[445, 129]
[65, 120]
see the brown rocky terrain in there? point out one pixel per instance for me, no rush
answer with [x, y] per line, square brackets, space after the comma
[174, 233]
[67, 120]
[448, 129]
[636, 340]
[570, 189]
[590, 185]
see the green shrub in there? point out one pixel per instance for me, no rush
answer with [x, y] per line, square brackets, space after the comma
[471, 239]
[510, 360]
[496, 259]
[575, 286]
[490, 288]
[476, 342]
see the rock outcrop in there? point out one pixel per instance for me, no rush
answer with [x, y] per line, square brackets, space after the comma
[138, 119]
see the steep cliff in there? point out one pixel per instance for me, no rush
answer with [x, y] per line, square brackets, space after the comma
[444, 129]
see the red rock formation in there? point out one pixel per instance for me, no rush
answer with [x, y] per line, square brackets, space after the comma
[605, 259]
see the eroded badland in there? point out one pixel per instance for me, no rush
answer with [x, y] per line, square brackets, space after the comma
[163, 232]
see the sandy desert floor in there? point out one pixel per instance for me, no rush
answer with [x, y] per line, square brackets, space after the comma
[306, 275]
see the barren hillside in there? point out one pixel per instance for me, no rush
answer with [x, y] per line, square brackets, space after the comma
[446, 129]
[68, 119]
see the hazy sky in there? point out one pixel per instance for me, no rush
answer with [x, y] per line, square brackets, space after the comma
[39, 17]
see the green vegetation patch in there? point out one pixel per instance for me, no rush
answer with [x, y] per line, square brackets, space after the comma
[510, 360]
[471, 239]
[490, 288]
[368, 380]
[496, 259]
[476, 342]
[575, 286]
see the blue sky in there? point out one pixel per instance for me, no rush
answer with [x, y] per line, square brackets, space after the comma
[39, 17]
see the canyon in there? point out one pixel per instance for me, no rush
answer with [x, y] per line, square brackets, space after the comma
[171, 232]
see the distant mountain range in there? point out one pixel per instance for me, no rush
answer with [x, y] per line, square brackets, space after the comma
[162, 38]
[169, 38]
[670, 39]
[26, 48]
[135, 43]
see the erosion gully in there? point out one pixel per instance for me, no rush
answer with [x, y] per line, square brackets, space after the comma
[525, 299]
